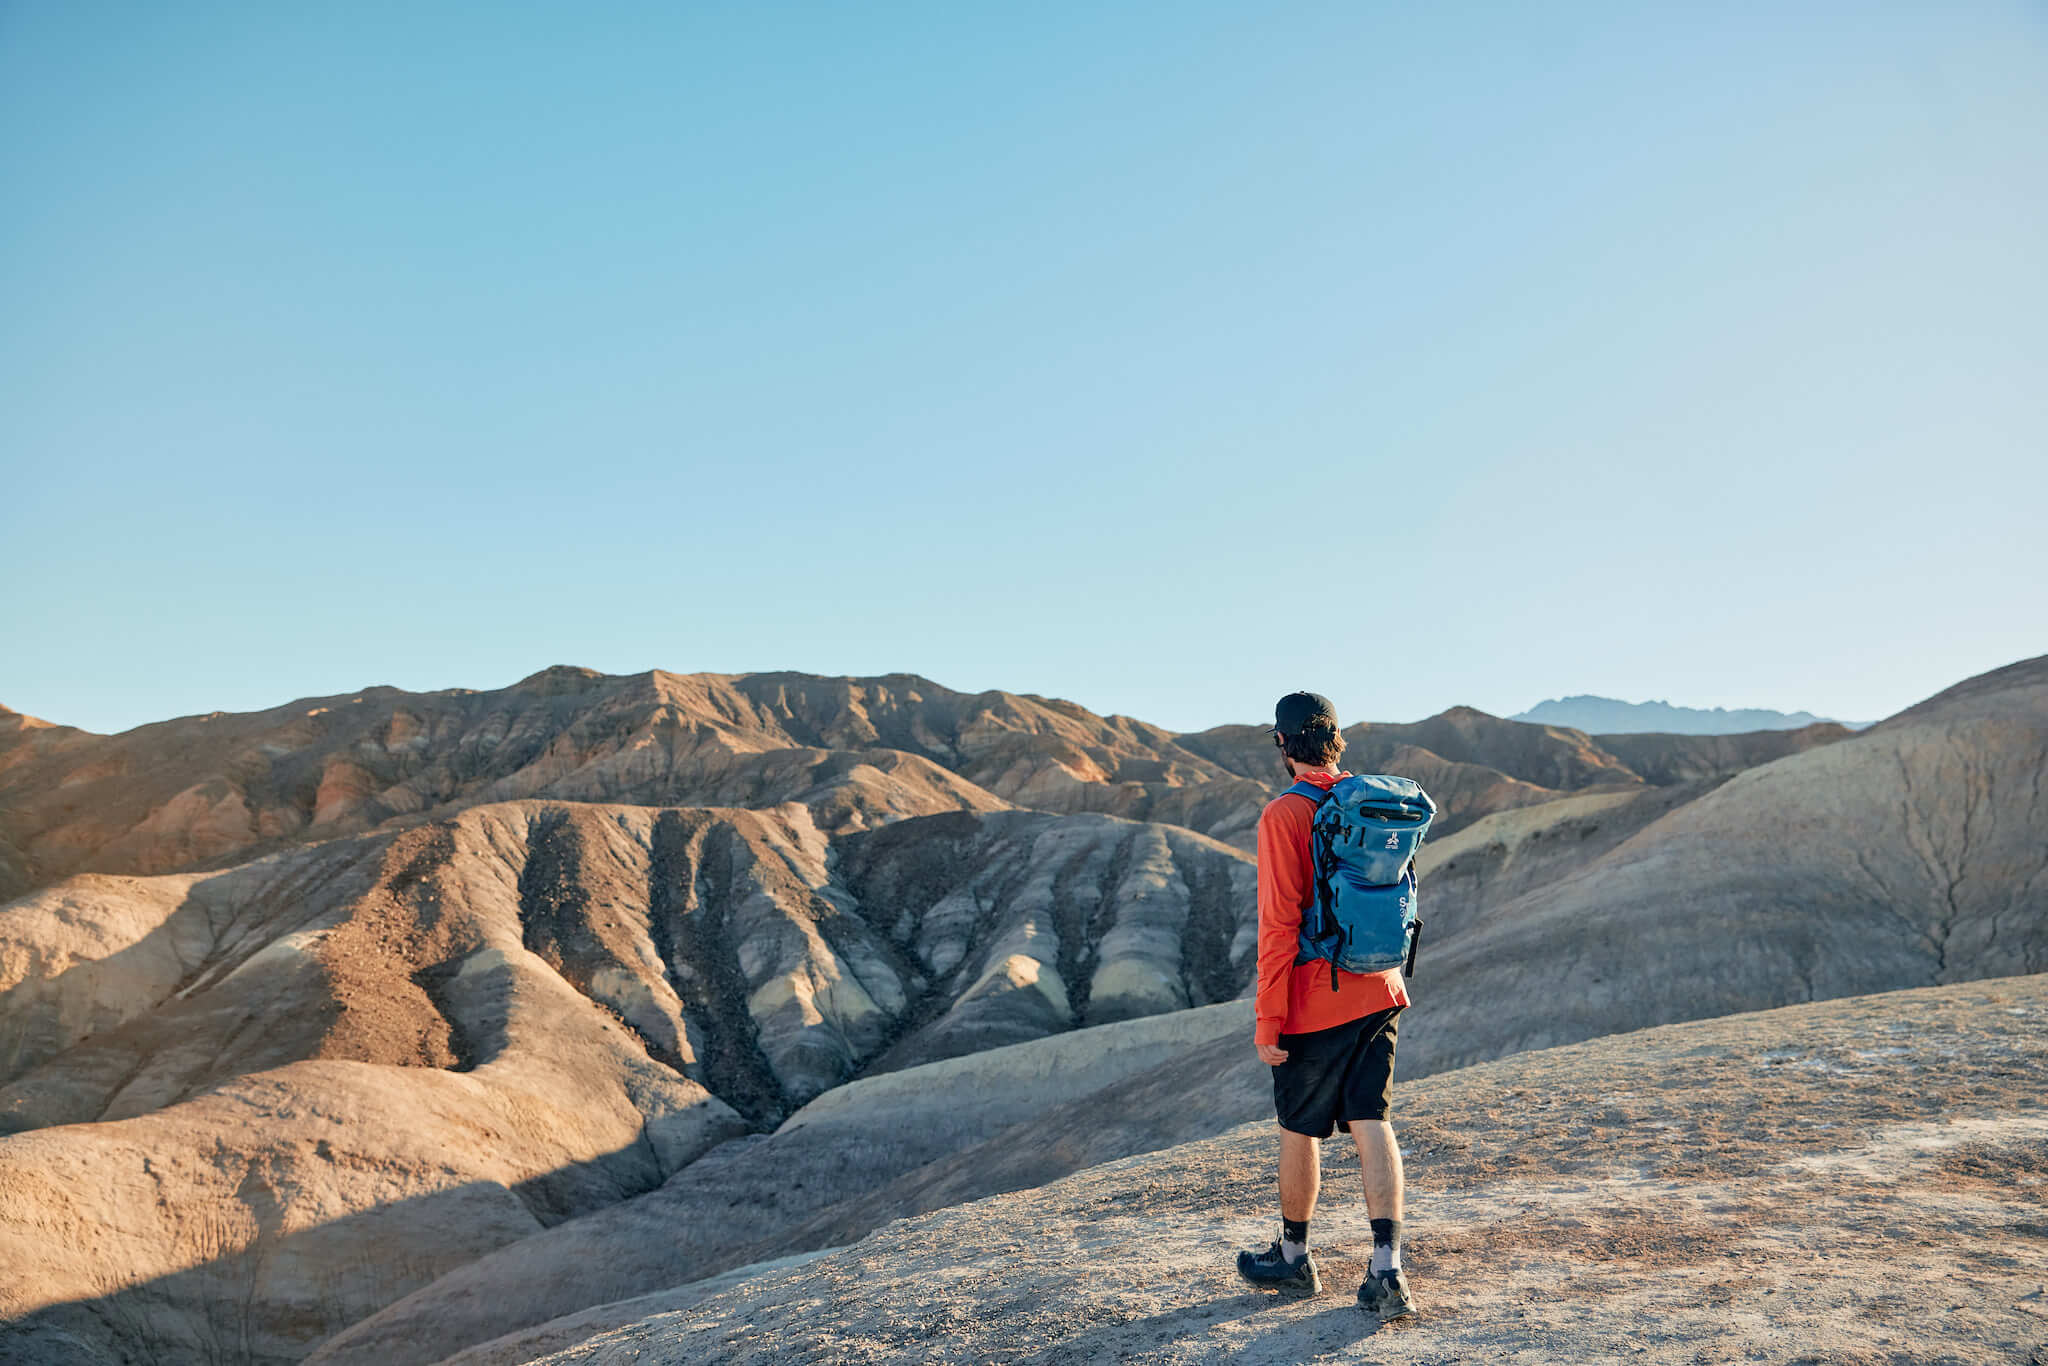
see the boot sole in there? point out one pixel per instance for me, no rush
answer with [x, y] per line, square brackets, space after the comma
[1388, 1312]
[1293, 1290]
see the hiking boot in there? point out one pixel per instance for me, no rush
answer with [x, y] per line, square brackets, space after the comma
[1385, 1293]
[1270, 1270]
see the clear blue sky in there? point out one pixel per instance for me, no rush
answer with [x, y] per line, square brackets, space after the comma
[1163, 357]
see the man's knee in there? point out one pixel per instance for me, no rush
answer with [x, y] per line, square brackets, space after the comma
[1372, 1133]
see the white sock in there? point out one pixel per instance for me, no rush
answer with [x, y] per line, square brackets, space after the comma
[1386, 1245]
[1293, 1238]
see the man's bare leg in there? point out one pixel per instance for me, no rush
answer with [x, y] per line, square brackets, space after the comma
[1379, 1158]
[1287, 1266]
[1301, 1175]
[1385, 1291]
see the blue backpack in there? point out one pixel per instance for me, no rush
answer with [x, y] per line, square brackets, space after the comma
[1364, 837]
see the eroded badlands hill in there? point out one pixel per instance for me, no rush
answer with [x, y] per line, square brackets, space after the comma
[742, 950]
[246, 1082]
[1856, 1181]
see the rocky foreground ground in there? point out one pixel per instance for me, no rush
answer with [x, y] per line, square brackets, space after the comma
[1860, 1181]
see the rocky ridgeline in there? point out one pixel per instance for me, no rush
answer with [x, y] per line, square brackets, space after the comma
[200, 792]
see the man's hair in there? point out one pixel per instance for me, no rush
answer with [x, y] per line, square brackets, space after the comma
[1313, 744]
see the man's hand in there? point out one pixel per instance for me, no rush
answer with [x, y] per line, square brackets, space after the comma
[1271, 1054]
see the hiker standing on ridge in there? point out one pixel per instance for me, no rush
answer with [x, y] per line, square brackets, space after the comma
[1329, 1034]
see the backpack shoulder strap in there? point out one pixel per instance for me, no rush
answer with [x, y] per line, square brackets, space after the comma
[1316, 795]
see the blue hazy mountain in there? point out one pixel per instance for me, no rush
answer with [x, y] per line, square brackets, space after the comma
[1612, 716]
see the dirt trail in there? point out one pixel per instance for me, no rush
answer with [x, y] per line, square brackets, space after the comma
[1861, 1181]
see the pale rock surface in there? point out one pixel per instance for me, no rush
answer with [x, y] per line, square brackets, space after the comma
[556, 1334]
[1020, 1082]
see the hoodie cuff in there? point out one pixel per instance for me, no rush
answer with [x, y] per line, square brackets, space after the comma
[1266, 1034]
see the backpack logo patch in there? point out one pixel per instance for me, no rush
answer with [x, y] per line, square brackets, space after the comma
[1393, 842]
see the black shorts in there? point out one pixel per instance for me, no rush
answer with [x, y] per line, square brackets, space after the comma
[1333, 1076]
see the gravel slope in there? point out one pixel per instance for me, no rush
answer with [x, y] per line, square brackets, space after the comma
[1860, 1180]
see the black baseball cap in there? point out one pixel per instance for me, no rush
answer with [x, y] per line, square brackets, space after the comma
[1298, 711]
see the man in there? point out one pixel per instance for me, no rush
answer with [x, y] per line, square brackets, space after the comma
[1331, 1051]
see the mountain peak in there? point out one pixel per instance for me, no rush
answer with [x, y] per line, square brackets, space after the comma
[1598, 715]
[560, 680]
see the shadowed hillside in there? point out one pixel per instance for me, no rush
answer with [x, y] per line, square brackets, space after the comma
[1913, 853]
[1667, 759]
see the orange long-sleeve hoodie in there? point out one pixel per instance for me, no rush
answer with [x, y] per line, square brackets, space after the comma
[1296, 998]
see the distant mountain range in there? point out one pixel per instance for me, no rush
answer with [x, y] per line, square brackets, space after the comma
[1612, 716]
